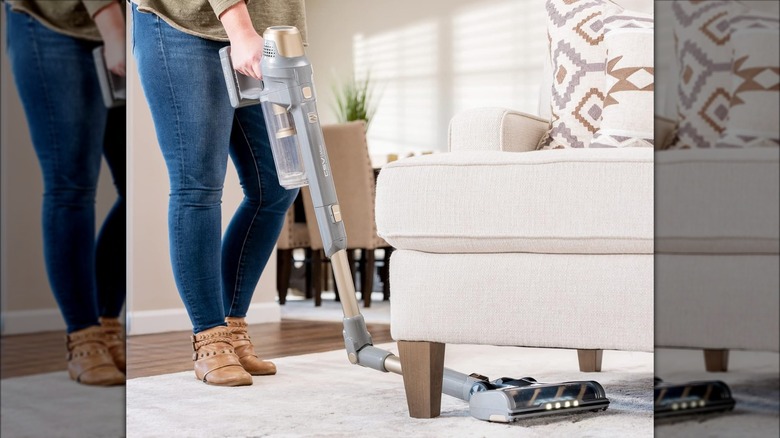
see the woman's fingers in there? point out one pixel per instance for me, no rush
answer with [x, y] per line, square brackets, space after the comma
[258, 73]
[251, 69]
[118, 69]
[246, 52]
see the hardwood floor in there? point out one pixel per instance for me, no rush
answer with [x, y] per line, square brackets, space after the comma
[150, 355]
[38, 353]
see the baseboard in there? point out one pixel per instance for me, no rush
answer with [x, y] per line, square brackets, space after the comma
[146, 322]
[17, 322]
[143, 322]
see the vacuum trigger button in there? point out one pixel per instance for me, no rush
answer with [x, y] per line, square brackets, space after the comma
[306, 91]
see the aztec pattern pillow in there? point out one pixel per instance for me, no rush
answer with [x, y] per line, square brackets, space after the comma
[627, 118]
[755, 90]
[702, 32]
[576, 32]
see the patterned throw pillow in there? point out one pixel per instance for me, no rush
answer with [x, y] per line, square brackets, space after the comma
[702, 34]
[755, 89]
[627, 116]
[576, 32]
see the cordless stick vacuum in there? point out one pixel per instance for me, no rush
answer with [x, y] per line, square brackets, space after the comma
[287, 96]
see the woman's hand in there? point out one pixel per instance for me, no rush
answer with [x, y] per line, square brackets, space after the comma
[111, 25]
[246, 46]
[246, 53]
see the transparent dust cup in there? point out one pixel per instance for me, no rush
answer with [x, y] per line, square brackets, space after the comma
[284, 146]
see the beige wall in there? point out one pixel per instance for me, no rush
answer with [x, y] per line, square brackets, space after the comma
[153, 301]
[428, 60]
[431, 59]
[27, 300]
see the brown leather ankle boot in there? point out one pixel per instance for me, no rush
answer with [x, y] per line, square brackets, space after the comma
[245, 350]
[89, 361]
[115, 340]
[216, 362]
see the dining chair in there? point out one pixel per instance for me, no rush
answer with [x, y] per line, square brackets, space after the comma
[294, 235]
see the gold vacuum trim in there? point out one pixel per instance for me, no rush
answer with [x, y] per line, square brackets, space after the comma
[285, 132]
[287, 38]
[393, 364]
[343, 276]
[278, 109]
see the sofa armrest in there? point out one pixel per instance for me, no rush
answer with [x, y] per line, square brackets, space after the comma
[495, 129]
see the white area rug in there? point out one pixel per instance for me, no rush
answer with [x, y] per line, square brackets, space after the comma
[753, 379]
[323, 395]
[378, 313]
[52, 405]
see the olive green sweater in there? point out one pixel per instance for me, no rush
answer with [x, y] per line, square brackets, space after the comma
[69, 17]
[200, 17]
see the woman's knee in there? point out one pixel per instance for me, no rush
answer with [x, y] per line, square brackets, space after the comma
[63, 195]
[200, 197]
[278, 200]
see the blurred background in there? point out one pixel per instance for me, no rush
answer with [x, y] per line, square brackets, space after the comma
[716, 216]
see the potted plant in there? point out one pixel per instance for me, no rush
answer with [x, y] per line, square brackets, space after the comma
[354, 100]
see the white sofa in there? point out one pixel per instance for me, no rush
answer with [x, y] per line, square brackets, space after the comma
[500, 244]
[717, 241]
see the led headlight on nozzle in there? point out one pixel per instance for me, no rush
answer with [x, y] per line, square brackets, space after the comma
[692, 398]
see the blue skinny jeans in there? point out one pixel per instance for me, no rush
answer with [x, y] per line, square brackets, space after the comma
[197, 130]
[71, 130]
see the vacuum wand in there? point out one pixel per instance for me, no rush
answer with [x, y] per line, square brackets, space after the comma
[287, 96]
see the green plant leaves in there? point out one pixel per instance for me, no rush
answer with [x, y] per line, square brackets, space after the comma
[354, 100]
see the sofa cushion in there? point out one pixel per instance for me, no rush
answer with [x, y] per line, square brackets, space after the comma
[717, 301]
[717, 201]
[529, 300]
[704, 52]
[627, 117]
[598, 201]
[576, 33]
[755, 102]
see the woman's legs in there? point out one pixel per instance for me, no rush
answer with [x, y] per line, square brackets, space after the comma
[110, 263]
[182, 79]
[197, 129]
[254, 228]
[58, 86]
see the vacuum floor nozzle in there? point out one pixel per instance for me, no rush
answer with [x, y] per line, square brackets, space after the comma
[691, 399]
[506, 400]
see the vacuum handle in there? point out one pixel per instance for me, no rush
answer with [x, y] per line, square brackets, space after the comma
[242, 90]
[112, 86]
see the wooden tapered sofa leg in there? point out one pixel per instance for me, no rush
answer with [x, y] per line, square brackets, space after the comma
[590, 360]
[716, 361]
[423, 370]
